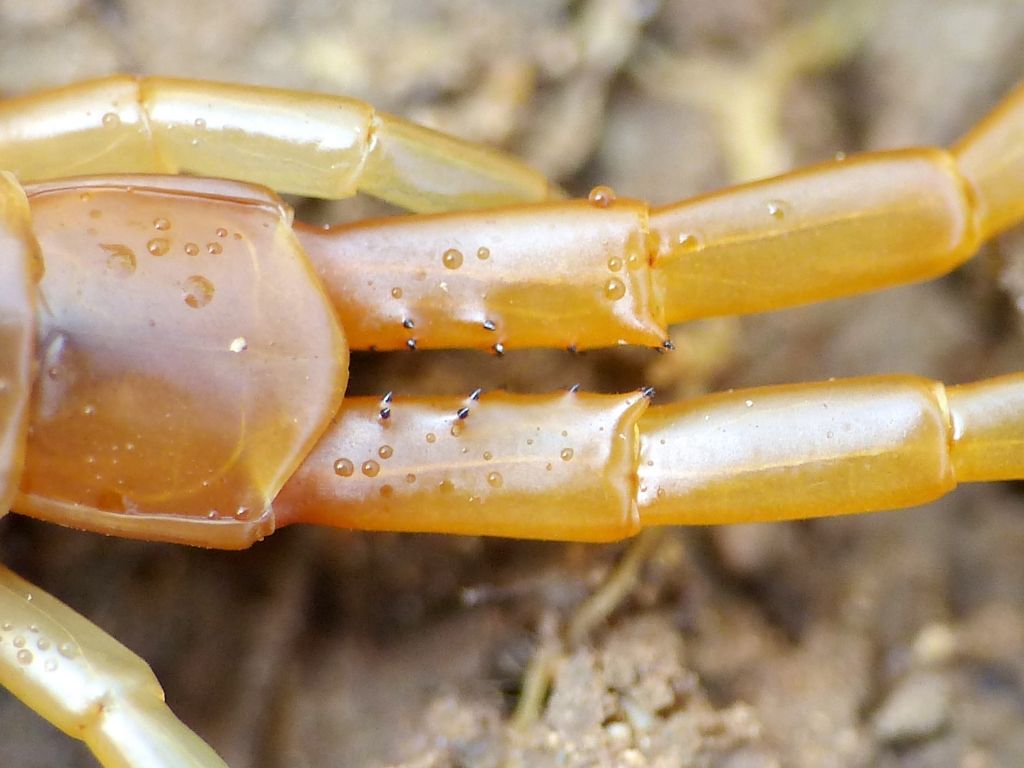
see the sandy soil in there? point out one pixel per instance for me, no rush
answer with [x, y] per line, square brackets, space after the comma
[888, 640]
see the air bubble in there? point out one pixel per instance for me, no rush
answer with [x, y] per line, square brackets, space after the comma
[614, 289]
[239, 344]
[198, 291]
[371, 468]
[494, 479]
[158, 246]
[602, 196]
[385, 451]
[344, 468]
[452, 258]
[566, 454]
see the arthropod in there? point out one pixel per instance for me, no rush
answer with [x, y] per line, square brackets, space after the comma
[175, 350]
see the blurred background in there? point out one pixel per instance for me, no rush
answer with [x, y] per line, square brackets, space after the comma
[895, 639]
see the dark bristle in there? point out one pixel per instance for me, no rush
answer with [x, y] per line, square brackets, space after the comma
[475, 394]
[463, 412]
[668, 345]
[408, 323]
[572, 349]
[489, 325]
[574, 389]
[499, 349]
[385, 413]
[648, 392]
[411, 344]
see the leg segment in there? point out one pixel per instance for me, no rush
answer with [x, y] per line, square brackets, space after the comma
[89, 685]
[300, 143]
[598, 467]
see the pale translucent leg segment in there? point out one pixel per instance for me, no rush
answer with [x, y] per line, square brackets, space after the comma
[991, 157]
[87, 684]
[300, 143]
[18, 262]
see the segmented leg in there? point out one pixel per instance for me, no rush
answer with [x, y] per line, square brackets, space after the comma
[301, 143]
[89, 685]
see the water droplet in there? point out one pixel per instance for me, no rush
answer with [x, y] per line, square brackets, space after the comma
[385, 451]
[687, 242]
[494, 479]
[614, 289]
[452, 258]
[446, 486]
[566, 454]
[457, 428]
[748, 403]
[615, 264]
[661, 493]
[529, 441]
[24, 656]
[200, 124]
[387, 491]
[431, 437]
[19, 642]
[191, 249]
[239, 344]
[488, 455]
[371, 468]
[777, 209]
[483, 253]
[396, 293]
[410, 478]
[89, 409]
[121, 259]
[198, 291]
[344, 468]
[161, 224]
[111, 120]
[602, 196]
[221, 232]
[50, 665]
[829, 435]
[839, 156]
[158, 246]
[67, 650]
[214, 249]
[43, 644]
